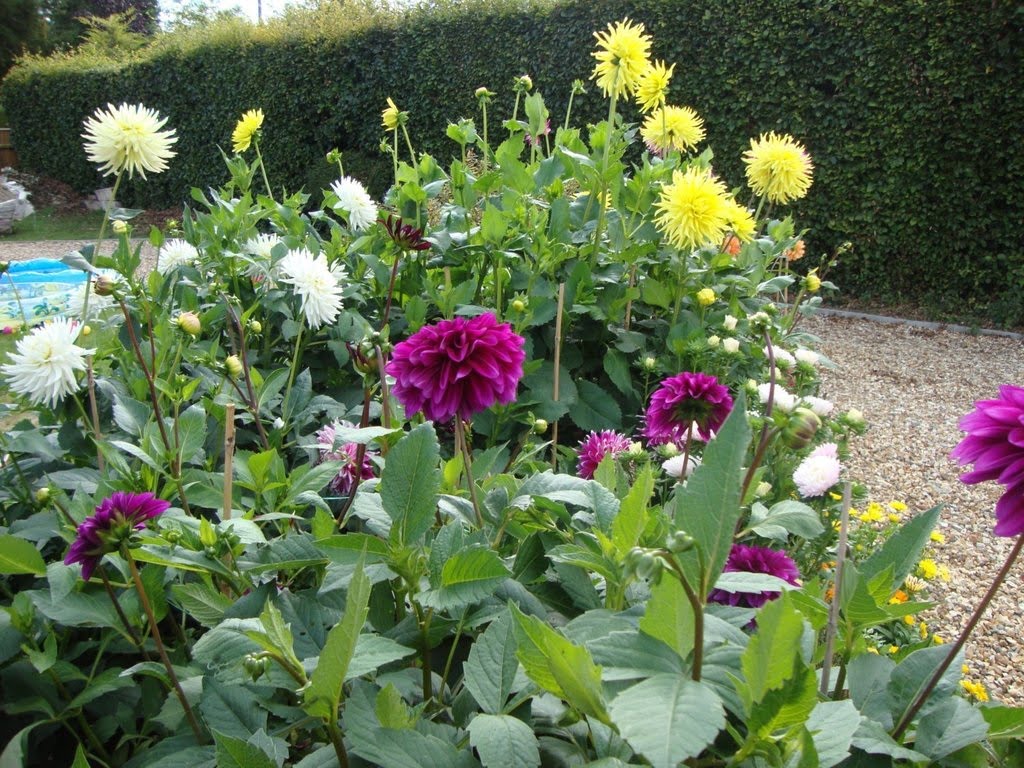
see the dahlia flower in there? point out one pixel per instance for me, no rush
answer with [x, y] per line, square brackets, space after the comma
[750, 559]
[247, 127]
[128, 138]
[995, 446]
[680, 467]
[457, 367]
[343, 482]
[595, 446]
[667, 128]
[44, 364]
[405, 236]
[682, 401]
[262, 245]
[315, 283]
[778, 167]
[175, 253]
[391, 117]
[355, 202]
[694, 209]
[652, 86]
[115, 520]
[782, 399]
[818, 472]
[622, 55]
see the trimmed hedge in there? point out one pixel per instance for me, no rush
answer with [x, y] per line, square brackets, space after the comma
[911, 111]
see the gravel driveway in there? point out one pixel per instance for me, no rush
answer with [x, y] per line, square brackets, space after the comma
[913, 385]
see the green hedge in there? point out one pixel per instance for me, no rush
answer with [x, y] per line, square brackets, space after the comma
[911, 111]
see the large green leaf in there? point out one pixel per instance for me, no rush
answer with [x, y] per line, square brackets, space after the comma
[231, 710]
[785, 518]
[467, 577]
[832, 725]
[373, 652]
[204, 603]
[595, 409]
[629, 524]
[191, 434]
[20, 556]
[491, 666]
[902, 550]
[669, 617]
[286, 553]
[503, 741]
[558, 665]
[409, 484]
[668, 718]
[325, 686]
[912, 674]
[631, 655]
[234, 752]
[772, 654]
[708, 505]
[950, 726]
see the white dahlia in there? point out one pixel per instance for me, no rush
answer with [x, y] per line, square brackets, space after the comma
[315, 283]
[43, 367]
[355, 202]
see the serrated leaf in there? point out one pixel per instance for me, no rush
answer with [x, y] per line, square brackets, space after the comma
[325, 685]
[233, 752]
[205, 604]
[131, 415]
[491, 667]
[832, 725]
[617, 368]
[467, 577]
[410, 482]
[503, 741]
[772, 653]
[558, 665]
[595, 409]
[668, 718]
[20, 556]
[669, 617]
[629, 655]
[786, 517]
[231, 710]
[903, 549]
[373, 652]
[283, 554]
[630, 522]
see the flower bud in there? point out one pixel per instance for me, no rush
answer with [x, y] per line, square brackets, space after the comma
[189, 322]
[803, 424]
[334, 156]
[649, 363]
[518, 305]
[540, 426]
[729, 322]
[86, 330]
[255, 327]
[43, 494]
[524, 82]
[4, 266]
[705, 297]
[483, 93]
[854, 418]
[679, 541]
[732, 346]
[172, 536]
[713, 341]
[119, 227]
[635, 450]
[233, 366]
[104, 286]
[812, 282]
[763, 489]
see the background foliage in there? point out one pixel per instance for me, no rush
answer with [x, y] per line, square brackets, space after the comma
[904, 106]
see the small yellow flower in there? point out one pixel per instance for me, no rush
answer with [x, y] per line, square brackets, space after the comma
[893, 517]
[894, 649]
[909, 620]
[623, 53]
[741, 222]
[938, 640]
[928, 569]
[778, 168]
[652, 86]
[937, 537]
[898, 597]
[705, 297]
[391, 117]
[899, 506]
[693, 209]
[872, 514]
[668, 128]
[922, 630]
[965, 669]
[246, 129]
[975, 690]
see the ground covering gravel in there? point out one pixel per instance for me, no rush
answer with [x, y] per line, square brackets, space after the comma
[912, 384]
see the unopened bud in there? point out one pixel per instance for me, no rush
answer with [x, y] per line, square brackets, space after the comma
[518, 305]
[540, 426]
[189, 322]
[714, 341]
[812, 282]
[649, 363]
[43, 495]
[732, 346]
[525, 82]
[207, 533]
[104, 286]
[705, 297]
[86, 330]
[763, 489]
[119, 227]
[854, 418]
[255, 327]
[483, 93]
[803, 424]
[679, 541]
[233, 366]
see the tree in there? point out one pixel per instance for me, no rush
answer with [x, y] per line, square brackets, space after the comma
[67, 26]
[23, 31]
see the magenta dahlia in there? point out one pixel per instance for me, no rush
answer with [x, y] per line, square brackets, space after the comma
[460, 366]
[744, 558]
[347, 453]
[595, 447]
[682, 401]
[115, 520]
[995, 445]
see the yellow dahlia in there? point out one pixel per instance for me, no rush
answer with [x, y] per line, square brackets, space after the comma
[246, 128]
[652, 86]
[694, 209]
[778, 167]
[668, 128]
[623, 53]
[391, 117]
[128, 138]
[741, 222]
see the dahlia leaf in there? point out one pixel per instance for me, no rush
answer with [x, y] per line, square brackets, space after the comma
[20, 556]
[950, 726]
[503, 741]
[490, 670]
[772, 655]
[832, 725]
[595, 409]
[669, 617]
[903, 549]
[409, 483]
[629, 524]
[632, 655]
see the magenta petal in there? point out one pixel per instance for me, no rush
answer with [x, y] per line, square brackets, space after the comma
[1010, 512]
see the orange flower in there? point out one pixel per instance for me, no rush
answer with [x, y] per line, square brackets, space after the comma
[899, 597]
[732, 246]
[796, 252]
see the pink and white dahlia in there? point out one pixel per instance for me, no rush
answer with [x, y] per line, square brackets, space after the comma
[595, 446]
[683, 400]
[819, 471]
[457, 367]
[995, 446]
[347, 453]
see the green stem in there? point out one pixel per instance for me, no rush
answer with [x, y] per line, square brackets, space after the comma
[833, 612]
[394, 154]
[487, 147]
[338, 742]
[99, 242]
[293, 371]
[172, 675]
[460, 429]
[121, 615]
[602, 181]
[263, 169]
[922, 697]
[568, 108]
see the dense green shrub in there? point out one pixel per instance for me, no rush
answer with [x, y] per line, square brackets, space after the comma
[905, 107]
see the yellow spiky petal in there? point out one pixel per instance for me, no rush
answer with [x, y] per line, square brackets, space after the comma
[694, 209]
[778, 167]
[623, 53]
[390, 117]
[246, 128]
[668, 128]
[652, 87]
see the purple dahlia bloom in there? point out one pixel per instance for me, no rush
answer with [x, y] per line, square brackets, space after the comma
[114, 521]
[343, 482]
[749, 559]
[595, 447]
[682, 401]
[995, 445]
[460, 366]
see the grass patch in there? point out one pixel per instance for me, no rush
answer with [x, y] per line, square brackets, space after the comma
[53, 224]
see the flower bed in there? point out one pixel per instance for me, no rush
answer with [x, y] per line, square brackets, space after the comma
[526, 465]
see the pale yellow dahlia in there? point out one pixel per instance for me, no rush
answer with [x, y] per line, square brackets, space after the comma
[652, 87]
[623, 53]
[247, 127]
[668, 128]
[741, 222]
[128, 138]
[391, 117]
[778, 168]
[694, 209]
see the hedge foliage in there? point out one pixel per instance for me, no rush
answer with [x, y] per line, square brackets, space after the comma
[910, 109]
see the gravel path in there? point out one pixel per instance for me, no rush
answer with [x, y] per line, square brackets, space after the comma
[912, 385]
